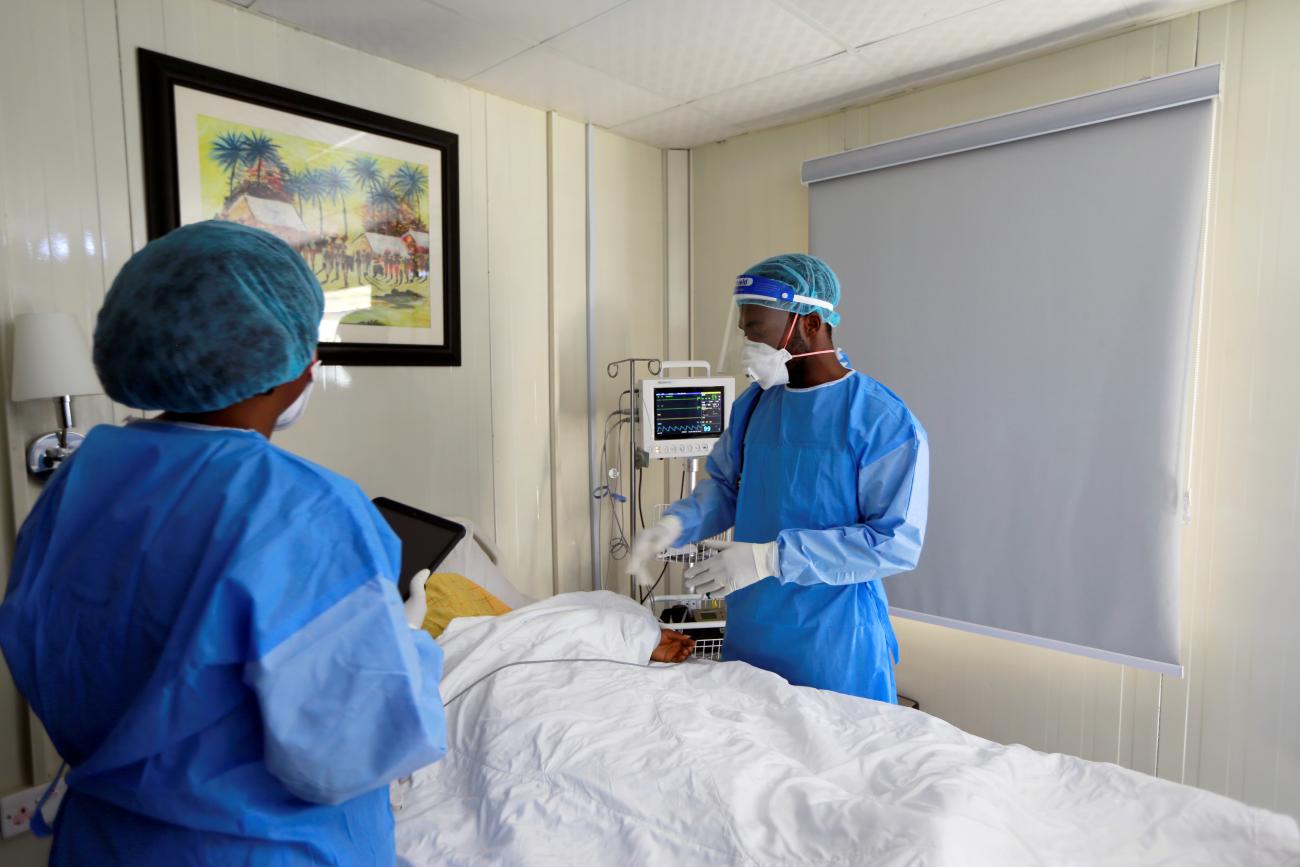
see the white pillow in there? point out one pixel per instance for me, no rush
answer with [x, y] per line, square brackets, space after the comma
[470, 559]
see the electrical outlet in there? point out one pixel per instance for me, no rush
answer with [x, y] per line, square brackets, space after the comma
[16, 810]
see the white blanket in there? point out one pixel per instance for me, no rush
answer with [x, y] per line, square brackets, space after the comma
[721, 763]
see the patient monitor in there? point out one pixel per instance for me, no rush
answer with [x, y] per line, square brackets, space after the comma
[683, 417]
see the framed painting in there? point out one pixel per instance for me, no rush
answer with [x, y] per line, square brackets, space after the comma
[369, 201]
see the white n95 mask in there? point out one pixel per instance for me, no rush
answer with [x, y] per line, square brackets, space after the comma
[294, 411]
[766, 365]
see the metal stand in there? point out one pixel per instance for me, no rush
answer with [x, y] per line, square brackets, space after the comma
[612, 369]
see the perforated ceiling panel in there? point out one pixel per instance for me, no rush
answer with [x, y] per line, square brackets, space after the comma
[686, 49]
[534, 20]
[677, 73]
[799, 89]
[860, 23]
[542, 78]
[411, 32]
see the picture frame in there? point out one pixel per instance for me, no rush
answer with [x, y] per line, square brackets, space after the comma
[370, 201]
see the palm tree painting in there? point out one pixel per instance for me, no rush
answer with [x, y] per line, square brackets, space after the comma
[259, 150]
[229, 151]
[410, 183]
[335, 184]
[366, 172]
[359, 219]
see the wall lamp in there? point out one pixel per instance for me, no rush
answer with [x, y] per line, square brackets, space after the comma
[52, 360]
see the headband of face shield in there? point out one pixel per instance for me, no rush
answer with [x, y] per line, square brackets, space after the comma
[767, 292]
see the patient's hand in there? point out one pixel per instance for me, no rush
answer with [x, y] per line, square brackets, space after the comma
[673, 646]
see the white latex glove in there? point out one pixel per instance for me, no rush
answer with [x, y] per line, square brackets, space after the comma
[736, 565]
[416, 604]
[650, 542]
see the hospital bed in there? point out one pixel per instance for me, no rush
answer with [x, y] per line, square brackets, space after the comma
[565, 748]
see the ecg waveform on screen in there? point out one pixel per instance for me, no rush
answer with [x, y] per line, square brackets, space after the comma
[681, 413]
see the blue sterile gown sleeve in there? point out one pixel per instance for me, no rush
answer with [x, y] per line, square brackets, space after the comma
[838, 476]
[210, 630]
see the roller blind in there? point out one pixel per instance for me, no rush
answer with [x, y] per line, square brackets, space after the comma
[1028, 284]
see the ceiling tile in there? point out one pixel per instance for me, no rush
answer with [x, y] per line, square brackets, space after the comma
[985, 35]
[541, 78]
[857, 23]
[686, 49]
[530, 19]
[842, 76]
[678, 127]
[412, 32]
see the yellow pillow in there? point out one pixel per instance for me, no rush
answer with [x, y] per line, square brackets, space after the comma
[450, 596]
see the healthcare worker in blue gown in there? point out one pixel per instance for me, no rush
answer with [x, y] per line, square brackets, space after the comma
[824, 474]
[208, 626]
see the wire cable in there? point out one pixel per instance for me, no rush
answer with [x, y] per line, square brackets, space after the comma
[649, 594]
[640, 490]
[618, 544]
[502, 668]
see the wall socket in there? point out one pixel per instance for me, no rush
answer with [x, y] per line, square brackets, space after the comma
[16, 810]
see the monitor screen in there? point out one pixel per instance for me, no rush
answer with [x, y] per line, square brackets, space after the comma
[689, 412]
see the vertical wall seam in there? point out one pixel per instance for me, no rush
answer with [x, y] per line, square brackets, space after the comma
[126, 141]
[491, 355]
[593, 505]
[552, 348]
[94, 162]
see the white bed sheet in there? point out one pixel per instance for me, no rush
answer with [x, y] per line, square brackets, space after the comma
[721, 763]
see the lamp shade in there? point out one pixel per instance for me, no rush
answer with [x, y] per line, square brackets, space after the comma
[51, 358]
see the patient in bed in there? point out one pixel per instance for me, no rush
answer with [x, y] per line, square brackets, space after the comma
[449, 595]
[673, 646]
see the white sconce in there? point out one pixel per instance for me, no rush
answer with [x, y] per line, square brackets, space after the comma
[52, 360]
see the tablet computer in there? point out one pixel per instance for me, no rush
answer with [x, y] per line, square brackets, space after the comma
[426, 539]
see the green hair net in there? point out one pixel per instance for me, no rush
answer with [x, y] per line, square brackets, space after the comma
[205, 317]
[806, 275]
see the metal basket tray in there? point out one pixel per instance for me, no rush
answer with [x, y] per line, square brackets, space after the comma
[708, 648]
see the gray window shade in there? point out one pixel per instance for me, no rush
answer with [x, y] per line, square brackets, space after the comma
[1031, 294]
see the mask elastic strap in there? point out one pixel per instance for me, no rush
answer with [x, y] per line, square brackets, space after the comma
[789, 332]
[818, 352]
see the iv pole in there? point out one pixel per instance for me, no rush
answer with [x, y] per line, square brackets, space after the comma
[612, 369]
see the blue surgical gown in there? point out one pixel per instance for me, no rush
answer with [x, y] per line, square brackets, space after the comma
[209, 629]
[838, 476]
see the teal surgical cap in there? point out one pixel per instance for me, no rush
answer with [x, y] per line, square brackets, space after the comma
[792, 281]
[205, 317]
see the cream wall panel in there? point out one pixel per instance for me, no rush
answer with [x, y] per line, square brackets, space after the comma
[518, 286]
[1233, 723]
[56, 92]
[747, 204]
[1220, 33]
[53, 251]
[1243, 706]
[413, 434]
[629, 285]
[677, 253]
[677, 308]
[568, 335]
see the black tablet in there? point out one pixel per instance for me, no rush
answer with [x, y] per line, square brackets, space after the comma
[426, 539]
